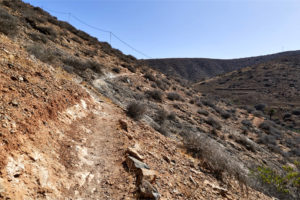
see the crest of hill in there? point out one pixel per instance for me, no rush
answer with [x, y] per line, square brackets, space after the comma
[197, 69]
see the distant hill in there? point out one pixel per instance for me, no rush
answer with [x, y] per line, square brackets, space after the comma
[274, 84]
[196, 69]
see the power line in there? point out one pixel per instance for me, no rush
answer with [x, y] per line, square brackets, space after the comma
[58, 12]
[111, 34]
[96, 28]
[130, 46]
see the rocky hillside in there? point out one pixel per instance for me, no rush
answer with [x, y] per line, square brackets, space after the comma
[272, 88]
[81, 120]
[197, 69]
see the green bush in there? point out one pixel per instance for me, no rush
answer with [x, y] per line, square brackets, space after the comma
[282, 182]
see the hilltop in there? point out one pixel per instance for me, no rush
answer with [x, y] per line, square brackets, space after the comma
[197, 69]
[81, 120]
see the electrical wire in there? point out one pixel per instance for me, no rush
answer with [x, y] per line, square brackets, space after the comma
[102, 30]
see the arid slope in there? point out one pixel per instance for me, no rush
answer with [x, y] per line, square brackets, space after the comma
[67, 131]
[197, 69]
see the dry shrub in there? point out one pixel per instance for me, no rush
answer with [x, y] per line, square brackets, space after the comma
[116, 70]
[208, 102]
[271, 128]
[36, 37]
[203, 112]
[172, 116]
[161, 84]
[214, 156]
[224, 114]
[149, 76]
[81, 64]
[245, 142]
[296, 112]
[214, 123]
[161, 116]
[136, 110]
[8, 23]
[155, 94]
[129, 67]
[42, 53]
[174, 96]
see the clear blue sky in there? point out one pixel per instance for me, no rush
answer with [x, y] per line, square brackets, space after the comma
[203, 28]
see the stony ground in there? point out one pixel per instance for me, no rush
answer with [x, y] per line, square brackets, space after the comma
[60, 139]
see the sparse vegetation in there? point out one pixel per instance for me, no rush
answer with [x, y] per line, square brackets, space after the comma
[163, 130]
[47, 30]
[172, 116]
[247, 123]
[260, 107]
[214, 123]
[208, 103]
[129, 67]
[270, 128]
[203, 112]
[161, 84]
[267, 139]
[287, 182]
[224, 114]
[161, 116]
[155, 95]
[173, 96]
[116, 70]
[76, 39]
[149, 76]
[241, 139]
[296, 112]
[42, 53]
[81, 64]
[136, 110]
[9, 23]
[214, 157]
[36, 37]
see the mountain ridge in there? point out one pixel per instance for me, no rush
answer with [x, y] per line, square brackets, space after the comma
[197, 69]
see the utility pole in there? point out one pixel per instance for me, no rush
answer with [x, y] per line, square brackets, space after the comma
[110, 38]
[69, 17]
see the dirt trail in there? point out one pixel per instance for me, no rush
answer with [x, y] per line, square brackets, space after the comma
[99, 167]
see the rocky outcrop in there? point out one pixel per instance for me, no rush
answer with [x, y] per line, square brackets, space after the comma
[145, 177]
